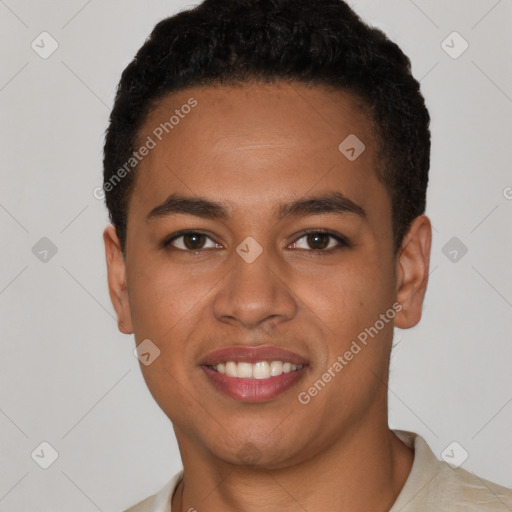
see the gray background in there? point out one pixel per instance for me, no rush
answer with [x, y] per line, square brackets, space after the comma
[68, 377]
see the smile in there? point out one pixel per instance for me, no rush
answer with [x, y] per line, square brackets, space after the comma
[258, 370]
[253, 373]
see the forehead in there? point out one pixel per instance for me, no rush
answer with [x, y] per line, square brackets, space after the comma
[257, 143]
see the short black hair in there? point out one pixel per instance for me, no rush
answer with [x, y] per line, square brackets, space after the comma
[312, 42]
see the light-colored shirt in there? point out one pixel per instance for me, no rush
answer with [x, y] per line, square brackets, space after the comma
[432, 486]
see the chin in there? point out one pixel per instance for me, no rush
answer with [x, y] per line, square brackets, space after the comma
[258, 451]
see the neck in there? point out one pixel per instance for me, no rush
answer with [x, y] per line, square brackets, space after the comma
[364, 470]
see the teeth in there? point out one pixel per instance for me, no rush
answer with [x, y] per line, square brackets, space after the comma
[231, 369]
[244, 370]
[276, 368]
[259, 370]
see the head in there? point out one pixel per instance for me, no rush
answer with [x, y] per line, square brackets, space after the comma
[293, 141]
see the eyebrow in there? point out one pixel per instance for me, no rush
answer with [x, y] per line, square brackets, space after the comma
[329, 203]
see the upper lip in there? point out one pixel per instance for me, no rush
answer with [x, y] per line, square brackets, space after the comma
[251, 355]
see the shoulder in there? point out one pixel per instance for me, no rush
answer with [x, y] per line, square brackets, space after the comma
[161, 501]
[143, 506]
[467, 491]
[434, 485]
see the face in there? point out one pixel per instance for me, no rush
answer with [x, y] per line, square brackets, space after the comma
[270, 261]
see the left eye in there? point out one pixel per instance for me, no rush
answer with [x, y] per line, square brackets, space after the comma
[319, 241]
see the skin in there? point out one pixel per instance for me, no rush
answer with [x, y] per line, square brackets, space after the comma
[254, 148]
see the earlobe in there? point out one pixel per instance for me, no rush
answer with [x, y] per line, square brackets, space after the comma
[116, 269]
[412, 272]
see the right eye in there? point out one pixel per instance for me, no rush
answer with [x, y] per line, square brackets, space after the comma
[192, 241]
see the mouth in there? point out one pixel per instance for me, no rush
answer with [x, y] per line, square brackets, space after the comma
[253, 374]
[258, 370]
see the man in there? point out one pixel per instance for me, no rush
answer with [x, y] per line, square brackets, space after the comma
[265, 171]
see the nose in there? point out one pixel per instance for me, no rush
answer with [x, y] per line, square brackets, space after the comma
[255, 295]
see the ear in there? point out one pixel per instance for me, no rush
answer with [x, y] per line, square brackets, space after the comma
[412, 272]
[117, 288]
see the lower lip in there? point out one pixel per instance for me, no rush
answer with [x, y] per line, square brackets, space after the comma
[253, 390]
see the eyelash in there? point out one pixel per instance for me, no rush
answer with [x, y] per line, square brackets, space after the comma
[341, 239]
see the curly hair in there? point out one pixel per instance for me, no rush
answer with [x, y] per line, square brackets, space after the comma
[312, 42]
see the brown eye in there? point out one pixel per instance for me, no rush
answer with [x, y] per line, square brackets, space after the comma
[322, 241]
[189, 241]
[194, 241]
[318, 240]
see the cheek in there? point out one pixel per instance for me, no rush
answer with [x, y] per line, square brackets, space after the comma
[346, 295]
[161, 296]
[168, 385]
[347, 302]
[164, 303]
